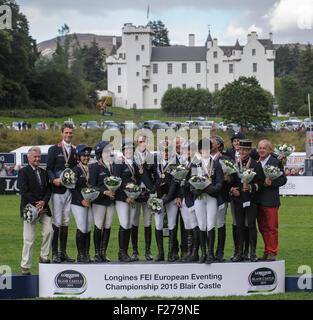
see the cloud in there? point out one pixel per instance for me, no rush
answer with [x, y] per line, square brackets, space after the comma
[290, 14]
[234, 32]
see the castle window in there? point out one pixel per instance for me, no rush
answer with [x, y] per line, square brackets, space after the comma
[119, 71]
[136, 38]
[216, 86]
[231, 68]
[169, 86]
[198, 67]
[137, 57]
[215, 54]
[155, 88]
[255, 67]
[137, 74]
[155, 68]
[198, 86]
[142, 47]
[184, 68]
[155, 102]
[169, 68]
[119, 89]
[253, 52]
[216, 68]
[184, 85]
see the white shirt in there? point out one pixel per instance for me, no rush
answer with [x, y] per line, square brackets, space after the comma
[263, 163]
[68, 146]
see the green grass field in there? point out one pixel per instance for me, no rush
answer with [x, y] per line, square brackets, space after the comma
[295, 238]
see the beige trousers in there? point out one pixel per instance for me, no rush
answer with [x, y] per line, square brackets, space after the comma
[29, 234]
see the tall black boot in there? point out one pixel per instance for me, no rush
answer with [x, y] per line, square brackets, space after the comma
[80, 244]
[134, 238]
[159, 241]
[203, 240]
[183, 238]
[122, 254]
[195, 244]
[105, 236]
[211, 239]
[176, 244]
[171, 240]
[187, 257]
[236, 242]
[221, 236]
[253, 241]
[63, 242]
[87, 247]
[246, 244]
[97, 243]
[239, 255]
[148, 235]
[55, 241]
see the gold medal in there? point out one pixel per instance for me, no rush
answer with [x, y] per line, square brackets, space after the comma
[140, 171]
[162, 175]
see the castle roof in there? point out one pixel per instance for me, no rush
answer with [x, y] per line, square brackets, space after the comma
[178, 53]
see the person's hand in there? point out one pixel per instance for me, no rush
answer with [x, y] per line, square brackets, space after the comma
[179, 202]
[226, 177]
[129, 200]
[109, 193]
[85, 203]
[235, 191]
[268, 181]
[39, 205]
[57, 182]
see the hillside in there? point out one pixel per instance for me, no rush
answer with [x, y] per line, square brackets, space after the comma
[48, 47]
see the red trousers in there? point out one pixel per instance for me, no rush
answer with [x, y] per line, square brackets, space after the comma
[267, 218]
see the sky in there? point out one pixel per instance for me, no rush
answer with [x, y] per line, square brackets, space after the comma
[290, 21]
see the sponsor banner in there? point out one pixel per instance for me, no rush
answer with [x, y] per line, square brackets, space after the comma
[8, 158]
[134, 280]
[8, 185]
[309, 143]
[297, 186]
[43, 160]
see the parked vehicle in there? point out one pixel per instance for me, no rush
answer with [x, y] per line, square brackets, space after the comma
[221, 126]
[41, 126]
[109, 124]
[233, 127]
[160, 125]
[150, 124]
[92, 125]
[201, 125]
[172, 124]
[127, 126]
[83, 125]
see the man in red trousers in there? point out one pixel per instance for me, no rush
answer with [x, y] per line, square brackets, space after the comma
[267, 215]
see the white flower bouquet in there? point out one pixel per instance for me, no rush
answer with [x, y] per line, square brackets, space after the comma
[199, 182]
[68, 178]
[246, 175]
[228, 167]
[284, 150]
[155, 204]
[112, 183]
[179, 172]
[90, 194]
[272, 172]
[30, 213]
[132, 191]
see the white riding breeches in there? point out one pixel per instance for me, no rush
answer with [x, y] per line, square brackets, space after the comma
[206, 211]
[103, 215]
[146, 214]
[83, 218]
[171, 210]
[189, 216]
[125, 213]
[61, 208]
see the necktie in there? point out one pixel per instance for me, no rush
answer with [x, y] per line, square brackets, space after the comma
[38, 175]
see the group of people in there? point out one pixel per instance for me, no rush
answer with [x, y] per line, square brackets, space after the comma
[196, 211]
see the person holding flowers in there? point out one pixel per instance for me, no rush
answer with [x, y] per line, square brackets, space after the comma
[267, 215]
[103, 208]
[80, 207]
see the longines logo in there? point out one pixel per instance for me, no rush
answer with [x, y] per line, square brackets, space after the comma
[70, 282]
[262, 280]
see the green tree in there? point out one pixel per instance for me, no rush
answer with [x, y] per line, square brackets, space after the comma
[172, 101]
[160, 37]
[290, 98]
[305, 67]
[244, 102]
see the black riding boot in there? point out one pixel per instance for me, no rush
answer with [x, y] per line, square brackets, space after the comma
[159, 241]
[105, 236]
[134, 238]
[55, 241]
[171, 239]
[87, 248]
[246, 244]
[203, 240]
[123, 245]
[80, 244]
[239, 255]
[97, 243]
[63, 242]
[253, 241]
[148, 254]
[187, 257]
[211, 239]
[195, 244]
[221, 236]
[236, 242]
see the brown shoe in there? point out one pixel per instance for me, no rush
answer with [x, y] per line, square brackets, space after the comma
[271, 257]
[44, 260]
[25, 271]
[264, 258]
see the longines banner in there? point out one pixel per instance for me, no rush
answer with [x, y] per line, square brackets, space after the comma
[8, 185]
[297, 185]
[164, 280]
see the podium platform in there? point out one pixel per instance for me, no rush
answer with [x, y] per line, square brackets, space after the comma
[142, 278]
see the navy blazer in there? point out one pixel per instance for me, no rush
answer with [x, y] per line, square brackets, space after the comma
[56, 164]
[97, 174]
[31, 190]
[81, 183]
[270, 194]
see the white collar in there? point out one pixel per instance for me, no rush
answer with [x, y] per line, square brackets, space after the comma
[265, 160]
[67, 145]
[34, 168]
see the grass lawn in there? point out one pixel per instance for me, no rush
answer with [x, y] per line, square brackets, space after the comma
[295, 238]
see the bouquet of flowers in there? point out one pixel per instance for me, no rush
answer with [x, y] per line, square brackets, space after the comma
[155, 204]
[199, 182]
[284, 150]
[272, 172]
[132, 191]
[30, 213]
[179, 172]
[228, 167]
[246, 175]
[112, 183]
[90, 193]
[68, 178]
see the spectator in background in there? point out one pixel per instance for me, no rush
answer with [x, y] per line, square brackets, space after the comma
[11, 172]
[3, 170]
[29, 125]
[287, 172]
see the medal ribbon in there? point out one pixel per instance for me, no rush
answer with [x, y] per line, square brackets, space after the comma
[130, 168]
[208, 173]
[101, 163]
[247, 166]
[65, 154]
[85, 171]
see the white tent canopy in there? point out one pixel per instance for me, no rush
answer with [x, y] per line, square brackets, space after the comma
[24, 149]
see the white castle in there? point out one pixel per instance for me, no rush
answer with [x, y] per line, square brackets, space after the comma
[139, 73]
